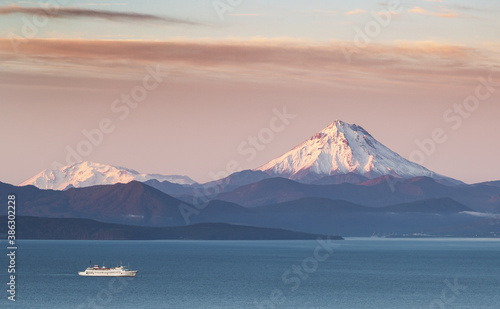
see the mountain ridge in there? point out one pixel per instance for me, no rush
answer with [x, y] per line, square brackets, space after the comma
[340, 153]
[138, 204]
[342, 148]
[378, 192]
[87, 173]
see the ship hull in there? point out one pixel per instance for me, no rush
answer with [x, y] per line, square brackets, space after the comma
[107, 274]
[119, 271]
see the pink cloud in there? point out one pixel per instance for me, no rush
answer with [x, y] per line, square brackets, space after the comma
[443, 13]
[355, 12]
[251, 60]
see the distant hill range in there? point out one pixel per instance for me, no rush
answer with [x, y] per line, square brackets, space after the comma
[85, 229]
[341, 181]
[138, 204]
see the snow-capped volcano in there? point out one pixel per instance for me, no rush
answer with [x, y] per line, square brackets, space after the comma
[86, 174]
[343, 148]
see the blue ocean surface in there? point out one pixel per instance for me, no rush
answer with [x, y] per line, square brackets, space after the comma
[354, 273]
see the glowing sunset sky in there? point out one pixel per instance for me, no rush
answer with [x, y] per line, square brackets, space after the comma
[201, 77]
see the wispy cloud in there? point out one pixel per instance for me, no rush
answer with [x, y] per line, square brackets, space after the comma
[247, 14]
[320, 12]
[257, 59]
[102, 4]
[481, 214]
[87, 13]
[355, 12]
[445, 13]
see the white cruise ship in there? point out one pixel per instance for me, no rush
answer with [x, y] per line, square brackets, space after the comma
[118, 271]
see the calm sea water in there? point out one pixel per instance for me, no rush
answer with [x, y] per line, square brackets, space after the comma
[356, 273]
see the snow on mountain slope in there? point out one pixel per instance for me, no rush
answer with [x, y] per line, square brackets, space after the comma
[343, 148]
[86, 174]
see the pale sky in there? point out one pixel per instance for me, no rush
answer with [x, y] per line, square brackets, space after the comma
[217, 72]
